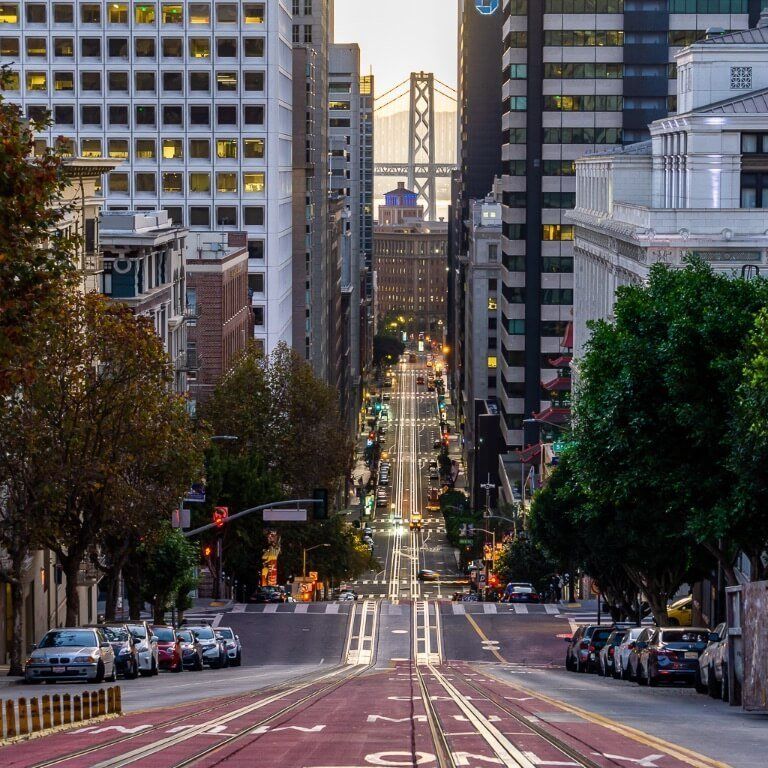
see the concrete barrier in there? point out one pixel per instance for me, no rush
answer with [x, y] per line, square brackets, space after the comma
[28, 716]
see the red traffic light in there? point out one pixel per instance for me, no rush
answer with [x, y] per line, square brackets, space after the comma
[220, 514]
[207, 551]
[493, 580]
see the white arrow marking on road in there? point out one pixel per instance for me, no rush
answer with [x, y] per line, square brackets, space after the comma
[643, 762]
[267, 729]
[118, 728]
[538, 761]
[489, 719]
[417, 718]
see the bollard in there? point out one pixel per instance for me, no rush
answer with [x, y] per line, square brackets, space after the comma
[2, 719]
[101, 701]
[118, 700]
[77, 709]
[46, 712]
[86, 705]
[67, 714]
[56, 701]
[36, 724]
[110, 700]
[23, 717]
[10, 719]
[94, 704]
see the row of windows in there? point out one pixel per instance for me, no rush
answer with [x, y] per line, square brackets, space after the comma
[226, 216]
[199, 48]
[754, 143]
[754, 190]
[570, 136]
[585, 103]
[197, 182]
[143, 13]
[595, 71]
[607, 38]
[548, 199]
[548, 168]
[548, 296]
[583, 37]
[173, 149]
[549, 233]
[556, 328]
[145, 115]
[520, 7]
[143, 82]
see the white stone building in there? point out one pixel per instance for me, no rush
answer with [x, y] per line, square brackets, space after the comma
[699, 186]
[195, 99]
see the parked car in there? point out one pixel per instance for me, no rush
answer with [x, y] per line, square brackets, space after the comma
[713, 665]
[146, 645]
[124, 646]
[670, 654]
[368, 531]
[680, 613]
[72, 653]
[584, 646]
[191, 650]
[607, 656]
[214, 648]
[168, 649]
[623, 652]
[347, 595]
[234, 647]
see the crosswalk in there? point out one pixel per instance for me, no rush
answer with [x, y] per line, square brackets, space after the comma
[298, 609]
[520, 609]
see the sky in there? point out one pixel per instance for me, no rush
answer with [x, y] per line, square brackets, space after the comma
[397, 37]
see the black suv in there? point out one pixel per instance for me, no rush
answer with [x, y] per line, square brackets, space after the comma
[585, 646]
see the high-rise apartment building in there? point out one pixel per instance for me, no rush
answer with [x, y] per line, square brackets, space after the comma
[578, 75]
[345, 181]
[311, 34]
[193, 97]
[367, 142]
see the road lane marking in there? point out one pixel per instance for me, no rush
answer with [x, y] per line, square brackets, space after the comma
[484, 638]
[490, 608]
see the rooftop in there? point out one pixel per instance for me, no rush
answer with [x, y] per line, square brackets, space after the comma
[752, 103]
[747, 36]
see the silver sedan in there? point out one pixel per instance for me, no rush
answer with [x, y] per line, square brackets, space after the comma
[72, 654]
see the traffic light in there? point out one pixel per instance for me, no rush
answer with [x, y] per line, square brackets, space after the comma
[493, 580]
[207, 551]
[220, 515]
[320, 507]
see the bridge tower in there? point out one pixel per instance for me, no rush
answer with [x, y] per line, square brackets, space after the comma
[421, 140]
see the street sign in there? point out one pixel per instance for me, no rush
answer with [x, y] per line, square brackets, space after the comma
[466, 542]
[196, 494]
[285, 515]
[313, 575]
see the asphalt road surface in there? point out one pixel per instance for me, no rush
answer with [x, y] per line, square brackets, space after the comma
[402, 677]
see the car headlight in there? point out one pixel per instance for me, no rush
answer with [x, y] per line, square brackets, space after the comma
[91, 659]
[33, 660]
[231, 644]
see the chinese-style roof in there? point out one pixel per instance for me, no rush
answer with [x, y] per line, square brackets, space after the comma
[554, 415]
[558, 384]
[564, 361]
[567, 342]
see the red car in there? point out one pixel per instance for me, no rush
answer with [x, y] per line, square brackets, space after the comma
[168, 649]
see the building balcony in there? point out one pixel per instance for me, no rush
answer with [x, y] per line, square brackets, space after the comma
[187, 361]
[91, 263]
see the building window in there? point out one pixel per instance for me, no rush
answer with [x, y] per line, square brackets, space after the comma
[754, 143]
[173, 149]
[258, 317]
[173, 13]
[173, 115]
[90, 13]
[493, 361]
[173, 82]
[253, 13]
[117, 149]
[117, 47]
[253, 216]
[253, 182]
[256, 249]
[145, 183]
[118, 116]
[561, 232]
[226, 81]
[200, 48]
[145, 81]
[226, 115]
[200, 149]
[90, 147]
[226, 182]
[754, 190]
[256, 283]
[173, 183]
[199, 13]
[557, 296]
[493, 304]
[226, 149]
[253, 47]
[296, 34]
[117, 82]
[173, 48]
[12, 82]
[493, 252]
[200, 81]
[144, 13]
[37, 81]
[226, 48]
[145, 115]
[199, 114]
[518, 71]
[117, 13]
[253, 149]
[518, 103]
[200, 182]
[515, 327]
[63, 13]
[199, 216]
[63, 47]
[307, 34]
[145, 48]
[9, 13]
[254, 81]
[226, 216]
[90, 48]
[226, 13]
[176, 214]
[63, 81]
[36, 47]
[145, 149]
[64, 115]
[118, 183]
[253, 115]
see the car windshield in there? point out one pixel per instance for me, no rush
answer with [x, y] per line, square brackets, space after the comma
[163, 634]
[204, 633]
[227, 634]
[685, 637]
[115, 634]
[62, 638]
[185, 636]
[138, 631]
[616, 638]
[601, 634]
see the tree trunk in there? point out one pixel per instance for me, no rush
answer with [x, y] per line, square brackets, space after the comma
[111, 581]
[158, 609]
[17, 638]
[71, 567]
[658, 605]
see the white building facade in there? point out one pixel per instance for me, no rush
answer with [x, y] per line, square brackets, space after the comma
[699, 187]
[194, 98]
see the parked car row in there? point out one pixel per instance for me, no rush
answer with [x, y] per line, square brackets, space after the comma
[652, 655]
[104, 651]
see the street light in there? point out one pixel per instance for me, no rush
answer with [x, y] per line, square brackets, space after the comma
[304, 557]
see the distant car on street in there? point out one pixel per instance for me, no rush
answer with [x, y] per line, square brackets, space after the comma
[623, 652]
[72, 654]
[520, 593]
[584, 646]
[425, 574]
[214, 648]
[146, 645]
[124, 646]
[191, 650]
[607, 655]
[680, 613]
[168, 649]
[670, 654]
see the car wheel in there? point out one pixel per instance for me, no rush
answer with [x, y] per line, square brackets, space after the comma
[600, 669]
[568, 664]
[155, 667]
[179, 666]
[652, 681]
[713, 687]
[99, 673]
[639, 676]
[113, 677]
[239, 660]
[697, 684]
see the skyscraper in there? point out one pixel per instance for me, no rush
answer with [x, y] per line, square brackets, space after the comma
[578, 75]
[191, 97]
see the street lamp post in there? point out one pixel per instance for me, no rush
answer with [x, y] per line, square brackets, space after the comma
[304, 557]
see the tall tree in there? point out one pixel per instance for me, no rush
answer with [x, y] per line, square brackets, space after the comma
[34, 264]
[100, 397]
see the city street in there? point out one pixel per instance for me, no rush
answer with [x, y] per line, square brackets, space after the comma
[403, 676]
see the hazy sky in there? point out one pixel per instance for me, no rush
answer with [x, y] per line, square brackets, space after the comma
[397, 37]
